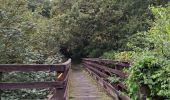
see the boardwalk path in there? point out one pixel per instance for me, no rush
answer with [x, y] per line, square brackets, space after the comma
[83, 88]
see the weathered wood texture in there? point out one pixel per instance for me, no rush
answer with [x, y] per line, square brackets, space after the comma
[34, 67]
[83, 87]
[31, 85]
[59, 91]
[108, 61]
[100, 71]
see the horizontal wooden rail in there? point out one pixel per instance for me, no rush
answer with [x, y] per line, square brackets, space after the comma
[96, 71]
[59, 91]
[99, 69]
[108, 61]
[108, 87]
[107, 69]
[34, 67]
[102, 83]
[30, 68]
[31, 85]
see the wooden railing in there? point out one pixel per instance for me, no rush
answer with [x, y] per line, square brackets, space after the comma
[99, 69]
[59, 87]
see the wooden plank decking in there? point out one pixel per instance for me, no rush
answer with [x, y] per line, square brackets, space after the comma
[84, 88]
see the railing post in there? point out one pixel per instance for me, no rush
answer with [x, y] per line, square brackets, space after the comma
[1, 75]
[61, 93]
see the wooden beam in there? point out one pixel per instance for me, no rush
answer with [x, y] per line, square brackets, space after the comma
[31, 85]
[34, 67]
[30, 68]
[96, 71]
[108, 61]
[109, 87]
[107, 69]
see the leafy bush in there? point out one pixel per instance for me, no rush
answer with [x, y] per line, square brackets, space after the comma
[114, 79]
[117, 55]
[25, 38]
[148, 69]
[152, 67]
[157, 38]
[109, 55]
[20, 94]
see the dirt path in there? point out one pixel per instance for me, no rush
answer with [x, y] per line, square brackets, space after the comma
[83, 88]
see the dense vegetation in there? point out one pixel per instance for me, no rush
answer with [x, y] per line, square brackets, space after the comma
[149, 52]
[47, 31]
[26, 37]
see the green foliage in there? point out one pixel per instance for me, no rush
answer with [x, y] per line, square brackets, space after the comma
[21, 94]
[109, 55]
[114, 79]
[158, 37]
[147, 69]
[92, 27]
[122, 56]
[28, 77]
[36, 31]
[160, 32]
[150, 57]
[153, 68]
[13, 21]
[26, 37]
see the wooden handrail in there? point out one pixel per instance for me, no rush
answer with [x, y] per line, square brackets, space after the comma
[108, 61]
[34, 67]
[107, 69]
[100, 70]
[30, 85]
[60, 85]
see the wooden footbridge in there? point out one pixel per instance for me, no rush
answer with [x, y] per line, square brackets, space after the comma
[82, 87]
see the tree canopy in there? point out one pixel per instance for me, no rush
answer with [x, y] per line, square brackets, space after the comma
[49, 31]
